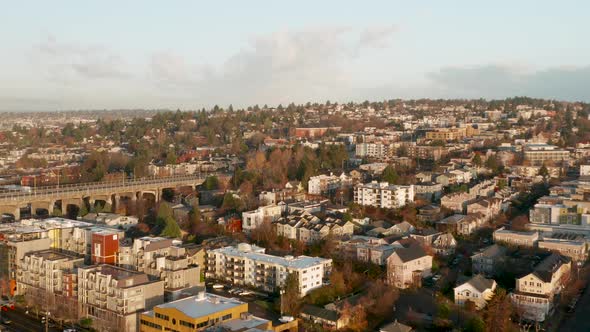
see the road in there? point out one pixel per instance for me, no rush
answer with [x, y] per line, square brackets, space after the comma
[579, 320]
[22, 322]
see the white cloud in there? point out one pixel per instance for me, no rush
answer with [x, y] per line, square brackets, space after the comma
[67, 62]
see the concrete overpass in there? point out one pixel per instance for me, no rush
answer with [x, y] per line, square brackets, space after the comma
[11, 202]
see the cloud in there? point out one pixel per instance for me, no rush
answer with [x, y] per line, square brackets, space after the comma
[500, 81]
[72, 62]
[377, 36]
[284, 66]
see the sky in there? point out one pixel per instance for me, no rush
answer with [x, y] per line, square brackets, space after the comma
[72, 55]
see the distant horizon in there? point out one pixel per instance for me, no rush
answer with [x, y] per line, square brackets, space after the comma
[225, 107]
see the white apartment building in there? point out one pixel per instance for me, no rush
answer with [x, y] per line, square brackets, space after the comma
[378, 150]
[383, 195]
[249, 265]
[252, 219]
[327, 184]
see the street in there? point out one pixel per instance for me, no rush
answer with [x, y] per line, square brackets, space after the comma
[23, 322]
[579, 320]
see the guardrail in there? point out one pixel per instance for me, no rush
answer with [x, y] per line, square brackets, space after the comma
[131, 184]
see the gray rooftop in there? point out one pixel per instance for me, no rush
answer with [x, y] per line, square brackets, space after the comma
[200, 305]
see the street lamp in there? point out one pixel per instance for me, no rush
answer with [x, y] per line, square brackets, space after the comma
[46, 318]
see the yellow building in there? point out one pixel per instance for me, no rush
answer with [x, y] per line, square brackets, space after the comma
[197, 313]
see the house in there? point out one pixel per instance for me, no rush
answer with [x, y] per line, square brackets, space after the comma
[365, 249]
[326, 318]
[488, 259]
[408, 265]
[425, 236]
[429, 213]
[460, 223]
[396, 327]
[515, 238]
[428, 191]
[401, 229]
[306, 227]
[444, 244]
[488, 207]
[457, 202]
[252, 219]
[478, 290]
[536, 293]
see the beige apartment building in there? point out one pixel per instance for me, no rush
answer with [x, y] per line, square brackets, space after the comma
[112, 296]
[535, 293]
[176, 265]
[48, 280]
[515, 238]
[576, 250]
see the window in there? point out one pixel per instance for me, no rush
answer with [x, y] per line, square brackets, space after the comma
[187, 324]
[150, 324]
[160, 316]
[226, 317]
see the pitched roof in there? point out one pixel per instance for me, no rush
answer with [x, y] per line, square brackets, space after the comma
[549, 265]
[411, 252]
[320, 312]
[395, 327]
[480, 283]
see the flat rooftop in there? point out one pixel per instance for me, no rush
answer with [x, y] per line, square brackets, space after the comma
[300, 262]
[200, 305]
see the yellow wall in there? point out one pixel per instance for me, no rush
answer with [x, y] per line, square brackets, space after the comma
[178, 315]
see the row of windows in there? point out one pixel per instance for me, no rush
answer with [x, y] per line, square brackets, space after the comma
[187, 324]
[160, 316]
[150, 324]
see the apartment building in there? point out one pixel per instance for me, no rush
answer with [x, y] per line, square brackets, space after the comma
[576, 249]
[307, 228]
[41, 274]
[515, 238]
[540, 154]
[16, 240]
[327, 184]
[249, 265]
[488, 259]
[176, 265]
[252, 219]
[113, 296]
[451, 134]
[428, 191]
[408, 265]
[535, 293]
[377, 150]
[478, 290]
[383, 195]
[427, 152]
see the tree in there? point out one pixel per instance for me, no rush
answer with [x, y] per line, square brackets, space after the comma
[544, 172]
[211, 183]
[390, 175]
[195, 218]
[290, 301]
[497, 316]
[165, 218]
[477, 159]
[82, 211]
[475, 324]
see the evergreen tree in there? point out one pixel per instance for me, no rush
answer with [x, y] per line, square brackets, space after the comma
[390, 175]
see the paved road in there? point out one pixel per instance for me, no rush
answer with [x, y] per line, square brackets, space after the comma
[580, 319]
[22, 322]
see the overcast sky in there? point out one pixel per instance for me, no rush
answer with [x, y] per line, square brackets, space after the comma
[192, 54]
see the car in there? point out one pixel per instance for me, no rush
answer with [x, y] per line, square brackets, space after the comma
[218, 286]
[6, 321]
[436, 277]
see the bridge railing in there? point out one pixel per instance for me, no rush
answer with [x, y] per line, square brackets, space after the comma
[127, 183]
